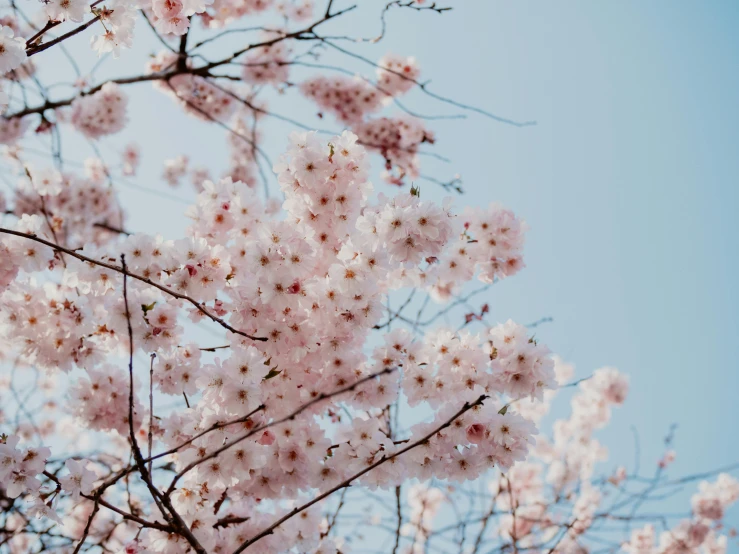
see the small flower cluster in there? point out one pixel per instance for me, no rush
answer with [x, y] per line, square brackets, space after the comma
[223, 12]
[352, 99]
[490, 245]
[118, 18]
[101, 400]
[19, 468]
[70, 203]
[607, 387]
[178, 370]
[396, 75]
[701, 533]
[522, 366]
[227, 210]
[131, 158]
[325, 185]
[236, 381]
[349, 99]
[410, 229]
[424, 503]
[67, 10]
[495, 241]
[573, 452]
[198, 96]
[79, 480]
[16, 254]
[12, 50]
[302, 10]
[396, 139]
[102, 113]
[13, 129]
[14, 63]
[712, 499]
[243, 149]
[267, 64]
[172, 17]
[174, 170]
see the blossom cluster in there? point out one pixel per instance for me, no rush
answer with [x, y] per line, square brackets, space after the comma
[424, 503]
[13, 50]
[397, 75]
[243, 149]
[349, 99]
[20, 467]
[17, 254]
[70, 204]
[301, 396]
[13, 129]
[197, 96]
[267, 64]
[712, 499]
[555, 469]
[101, 113]
[100, 400]
[223, 12]
[701, 533]
[67, 10]
[397, 140]
[312, 283]
[13, 62]
[301, 288]
[353, 99]
[552, 500]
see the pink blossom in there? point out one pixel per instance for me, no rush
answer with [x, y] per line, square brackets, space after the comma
[476, 433]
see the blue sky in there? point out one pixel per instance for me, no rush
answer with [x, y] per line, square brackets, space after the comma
[629, 185]
[628, 182]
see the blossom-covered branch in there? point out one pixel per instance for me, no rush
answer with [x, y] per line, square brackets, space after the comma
[360, 382]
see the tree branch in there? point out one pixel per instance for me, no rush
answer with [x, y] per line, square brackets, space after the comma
[201, 308]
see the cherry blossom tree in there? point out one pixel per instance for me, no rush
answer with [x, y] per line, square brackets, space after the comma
[359, 397]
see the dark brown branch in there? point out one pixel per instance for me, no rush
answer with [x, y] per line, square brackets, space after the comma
[40, 48]
[182, 52]
[112, 229]
[32, 42]
[131, 517]
[400, 520]
[50, 105]
[49, 25]
[229, 520]
[174, 518]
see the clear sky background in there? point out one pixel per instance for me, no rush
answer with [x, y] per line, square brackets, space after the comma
[628, 182]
